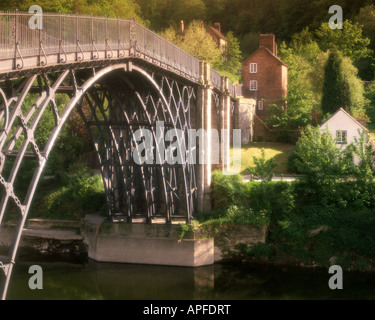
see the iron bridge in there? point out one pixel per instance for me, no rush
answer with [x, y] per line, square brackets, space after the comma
[120, 77]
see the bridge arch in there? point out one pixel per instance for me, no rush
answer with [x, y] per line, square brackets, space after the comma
[121, 98]
[162, 111]
[127, 78]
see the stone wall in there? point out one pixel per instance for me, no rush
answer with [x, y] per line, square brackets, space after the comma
[138, 243]
[44, 242]
[262, 132]
[228, 237]
[244, 118]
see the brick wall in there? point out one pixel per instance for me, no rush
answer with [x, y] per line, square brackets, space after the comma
[271, 80]
[268, 41]
[271, 76]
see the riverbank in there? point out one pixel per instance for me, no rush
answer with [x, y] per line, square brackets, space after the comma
[78, 240]
[241, 244]
[310, 224]
[46, 239]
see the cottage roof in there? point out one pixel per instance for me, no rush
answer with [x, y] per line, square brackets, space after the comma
[217, 33]
[269, 52]
[347, 114]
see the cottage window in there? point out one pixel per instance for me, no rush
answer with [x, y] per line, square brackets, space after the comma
[253, 85]
[260, 105]
[342, 136]
[253, 67]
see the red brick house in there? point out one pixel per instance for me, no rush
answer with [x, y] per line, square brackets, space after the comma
[265, 76]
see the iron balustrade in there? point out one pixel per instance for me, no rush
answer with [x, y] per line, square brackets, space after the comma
[215, 78]
[89, 38]
[232, 89]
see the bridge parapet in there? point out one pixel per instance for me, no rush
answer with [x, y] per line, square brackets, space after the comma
[75, 39]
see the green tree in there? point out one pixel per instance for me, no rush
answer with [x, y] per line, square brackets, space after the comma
[366, 18]
[187, 10]
[200, 44]
[231, 54]
[302, 97]
[318, 157]
[370, 104]
[335, 89]
[357, 100]
[263, 169]
[111, 8]
[364, 151]
[349, 40]
[173, 35]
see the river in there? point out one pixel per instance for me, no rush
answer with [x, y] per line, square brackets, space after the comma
[108, 281]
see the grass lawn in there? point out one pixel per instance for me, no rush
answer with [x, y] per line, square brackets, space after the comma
[280, 153]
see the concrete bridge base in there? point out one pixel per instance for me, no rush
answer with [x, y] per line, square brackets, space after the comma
[140, 243]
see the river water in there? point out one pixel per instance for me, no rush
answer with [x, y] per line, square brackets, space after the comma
[108, 281]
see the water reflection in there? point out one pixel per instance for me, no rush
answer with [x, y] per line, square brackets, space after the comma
[107, 281]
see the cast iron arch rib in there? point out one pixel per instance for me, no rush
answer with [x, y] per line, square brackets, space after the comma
[128, 107]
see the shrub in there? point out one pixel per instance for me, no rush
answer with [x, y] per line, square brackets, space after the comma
[235, 214]
[82, 193]
[275, 197]
[263, 168]
[259, 250]
[226, 189]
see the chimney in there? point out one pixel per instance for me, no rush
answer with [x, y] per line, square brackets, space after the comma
[182, 27]
[217, 26]
[268, 41]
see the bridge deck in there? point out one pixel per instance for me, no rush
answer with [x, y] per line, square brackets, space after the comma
[75, 39]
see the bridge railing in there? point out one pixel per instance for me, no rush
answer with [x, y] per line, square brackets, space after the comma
[88, 37]
[153, 45]
[215, 78]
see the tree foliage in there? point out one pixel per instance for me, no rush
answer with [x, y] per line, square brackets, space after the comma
[263, 169]
[366, 18]
[231, 56]
[349, 41]
[362, 150]
[197, 42]
[335, 88]
[111, 8]
[318, 158]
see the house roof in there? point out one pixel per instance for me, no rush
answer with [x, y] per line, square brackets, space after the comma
[217, 33]
[269, 52]
[347, 114]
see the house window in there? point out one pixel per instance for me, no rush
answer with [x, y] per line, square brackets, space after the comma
[253, 67]
[253, 85]
[260, 105]
[342, 136]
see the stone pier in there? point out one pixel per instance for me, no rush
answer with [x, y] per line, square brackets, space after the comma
[141, 243]
[205, 119]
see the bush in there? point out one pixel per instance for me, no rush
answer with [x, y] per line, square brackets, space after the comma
[332, 221]
[259, 250]
[82, 193]
[292, 163]
[263, 168]
[225, 189]
[235, 214]
[347, 236]
[274, 197]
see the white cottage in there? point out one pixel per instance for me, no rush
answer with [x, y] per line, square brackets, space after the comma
[343, 127]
